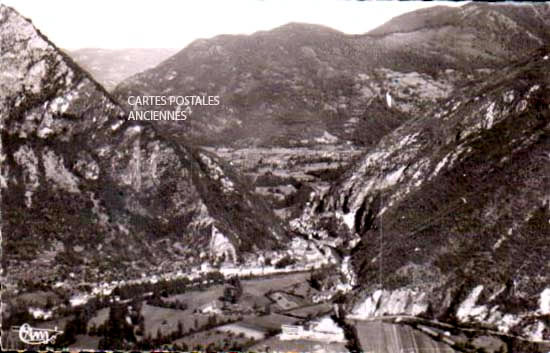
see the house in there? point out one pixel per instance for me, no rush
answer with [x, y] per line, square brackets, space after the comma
[291, 332]
[325, 330]
[214, 307]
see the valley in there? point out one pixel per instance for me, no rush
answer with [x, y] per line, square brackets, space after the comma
[381, 192]
[287, 177]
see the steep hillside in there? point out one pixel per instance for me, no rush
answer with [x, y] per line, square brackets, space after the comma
[283, 87]
[111, 66]
[290, 85]
[80, 182]
[473, 36]
[453, 208]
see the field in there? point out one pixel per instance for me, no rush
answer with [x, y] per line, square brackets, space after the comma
[303, 289]
[286, 301]
[310, 311]
[270, 322]
[254, 296]
[259, 287]
[196, 299]
[252, 318]
[166, 320]
[39, 298]
[216, 337]
[241, 328]
[275, 344]
[381, 337]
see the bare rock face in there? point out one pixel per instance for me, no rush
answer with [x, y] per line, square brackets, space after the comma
[456, 205]
[76, 173]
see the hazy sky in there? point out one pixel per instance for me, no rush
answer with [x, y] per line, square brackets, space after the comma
[75, 24]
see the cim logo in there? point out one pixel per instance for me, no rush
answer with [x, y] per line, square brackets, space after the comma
[36, 336]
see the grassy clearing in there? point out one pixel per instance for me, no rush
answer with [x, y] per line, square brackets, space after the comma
[259, 287]
[311, 311]
[241, 328]
[287, 301]
[211, 337]
[165, 320]
[269, 322]
[196, 299]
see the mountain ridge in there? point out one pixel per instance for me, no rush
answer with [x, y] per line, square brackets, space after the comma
[66, 141]
[453, 208]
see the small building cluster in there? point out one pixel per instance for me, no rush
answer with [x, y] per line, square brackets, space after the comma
[325, 330]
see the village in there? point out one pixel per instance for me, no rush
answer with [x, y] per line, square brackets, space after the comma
[281, 303]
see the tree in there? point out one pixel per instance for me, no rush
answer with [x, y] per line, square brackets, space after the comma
[317, 278]
[141, 328]
[215, 276]
[68, 336]
[159, 335]
[234, 290]
[211, 348]
[285, 262]
[212, 321]
[183, 347]
[117, 332]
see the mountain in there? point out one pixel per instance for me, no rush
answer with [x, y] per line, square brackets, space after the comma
[290, 85]
[111, 66]
[287, 87]
[301, 101]
[80, 182]
[453, 208]
[476, 35]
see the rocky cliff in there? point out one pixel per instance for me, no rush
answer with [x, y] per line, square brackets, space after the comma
[80, 182]
[455, 208]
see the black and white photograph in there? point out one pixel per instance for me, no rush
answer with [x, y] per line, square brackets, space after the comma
[317, 176]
